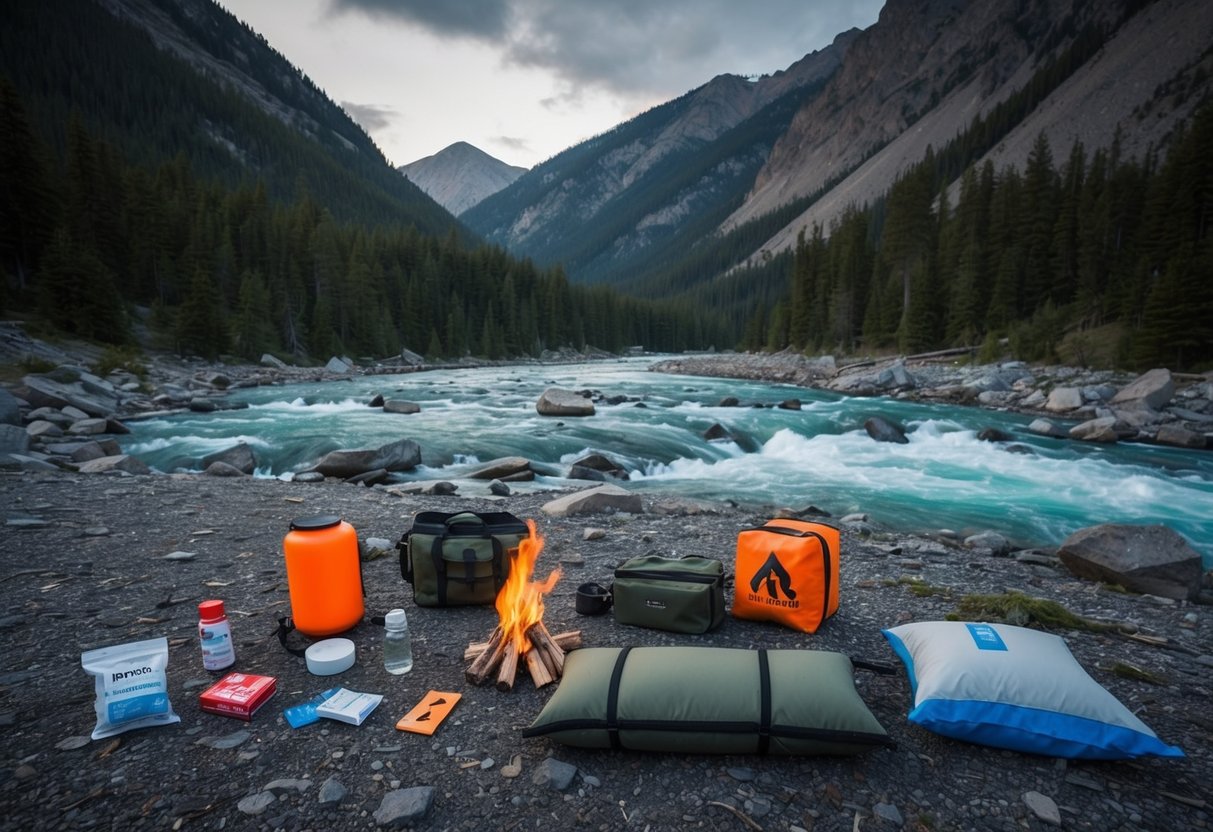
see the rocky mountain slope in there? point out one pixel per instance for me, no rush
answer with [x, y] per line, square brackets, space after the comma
[603, 204]
[961, 63]
[461, 175]
[871, 106]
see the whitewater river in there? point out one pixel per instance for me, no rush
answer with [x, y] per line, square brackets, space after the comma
[944, 478]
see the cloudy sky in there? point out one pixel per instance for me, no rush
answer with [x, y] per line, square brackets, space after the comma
[524, 79]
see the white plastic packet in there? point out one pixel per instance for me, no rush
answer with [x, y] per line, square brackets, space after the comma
[132, 689]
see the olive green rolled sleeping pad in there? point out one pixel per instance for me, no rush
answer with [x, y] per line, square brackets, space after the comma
[711, 700]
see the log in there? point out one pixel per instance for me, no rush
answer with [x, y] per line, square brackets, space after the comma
[509, 667]
[542, 639]
[540, 674]
[568, 640]
[487, 661]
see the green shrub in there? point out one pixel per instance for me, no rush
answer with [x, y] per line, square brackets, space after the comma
[120, 358]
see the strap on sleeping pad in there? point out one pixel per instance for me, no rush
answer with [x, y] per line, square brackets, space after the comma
[612, 714]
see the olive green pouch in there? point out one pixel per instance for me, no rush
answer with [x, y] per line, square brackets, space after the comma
[710, 700]
[681, 595]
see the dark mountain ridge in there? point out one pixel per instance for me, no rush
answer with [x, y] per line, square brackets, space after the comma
[166, 77]
[623, 197]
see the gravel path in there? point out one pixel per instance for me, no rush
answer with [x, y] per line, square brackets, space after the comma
[82, 564]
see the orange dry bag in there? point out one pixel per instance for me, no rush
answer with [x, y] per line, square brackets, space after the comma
[787, 572]
[323, 574]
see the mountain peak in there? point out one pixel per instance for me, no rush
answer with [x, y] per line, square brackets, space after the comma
[460, 175]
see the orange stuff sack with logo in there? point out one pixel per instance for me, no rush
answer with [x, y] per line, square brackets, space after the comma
[787, 572]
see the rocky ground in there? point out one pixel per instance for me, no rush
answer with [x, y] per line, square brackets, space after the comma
[85, 562]
[88, 560]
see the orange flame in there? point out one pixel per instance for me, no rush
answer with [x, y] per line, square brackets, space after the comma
[520, 601]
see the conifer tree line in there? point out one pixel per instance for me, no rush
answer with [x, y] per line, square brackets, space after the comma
[87, 237]
[1059, 258]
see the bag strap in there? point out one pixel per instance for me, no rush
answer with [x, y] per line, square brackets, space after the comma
[879, 668]
[286, 625]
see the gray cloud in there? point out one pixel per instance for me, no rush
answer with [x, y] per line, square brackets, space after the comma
[634, 47]
[372, 117]
[516, 143]
[469, 18]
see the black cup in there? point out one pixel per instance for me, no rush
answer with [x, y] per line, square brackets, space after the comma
[593, 599]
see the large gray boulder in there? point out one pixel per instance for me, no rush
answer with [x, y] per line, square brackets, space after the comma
[602, 463]
[120, 462]
[1150, 559]
[401, 455]
[896, 377]
[1180, 437]
[1103, 429]
[274, 361]
[10, 408]
[1043, 427]
[14, 439]
[1062, 399]
[556, 401]
[42, 391]
[604, 498]
[502, 468]
[401, 406]
[240, 457]
[882, 430]
[1151, 390]
[337, 366]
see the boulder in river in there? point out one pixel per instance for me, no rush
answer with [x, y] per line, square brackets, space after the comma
[557, 401]
[501, 468]
[401, 455]
[882, 430]
[401, 406]
[1151, 559]
[239, 456]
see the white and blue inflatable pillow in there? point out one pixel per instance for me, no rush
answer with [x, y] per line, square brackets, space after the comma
[1011, 687]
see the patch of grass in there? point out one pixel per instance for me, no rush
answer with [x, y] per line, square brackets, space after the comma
[1137, 674]
[120, 358]
[30, 365]
[918, 586]
[1023, 610]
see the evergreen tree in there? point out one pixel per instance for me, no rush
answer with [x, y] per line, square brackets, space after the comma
[28, 207]
[200, 322]
[251, 328]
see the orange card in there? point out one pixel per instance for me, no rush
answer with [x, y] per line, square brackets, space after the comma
[434, 707]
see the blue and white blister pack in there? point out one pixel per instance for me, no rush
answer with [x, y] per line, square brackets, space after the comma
[1012, 687]
[132, 688]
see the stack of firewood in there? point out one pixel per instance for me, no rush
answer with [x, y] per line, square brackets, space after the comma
[499, 657]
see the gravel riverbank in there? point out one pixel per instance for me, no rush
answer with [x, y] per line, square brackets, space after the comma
[88, 560]
[83, 560]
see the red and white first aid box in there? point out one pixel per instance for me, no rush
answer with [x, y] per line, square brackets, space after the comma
[238, 695]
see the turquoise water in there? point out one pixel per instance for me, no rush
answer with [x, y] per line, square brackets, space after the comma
[820, 455]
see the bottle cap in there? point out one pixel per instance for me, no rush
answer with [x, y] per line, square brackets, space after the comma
[312, 524]
[210, 610]
[395, 619]
[331, 656]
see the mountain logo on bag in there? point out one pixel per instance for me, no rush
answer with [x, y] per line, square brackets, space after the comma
[776, 578]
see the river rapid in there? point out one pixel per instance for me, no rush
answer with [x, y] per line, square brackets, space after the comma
[1033, 490]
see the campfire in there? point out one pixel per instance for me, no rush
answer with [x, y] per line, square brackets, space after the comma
[520, 635]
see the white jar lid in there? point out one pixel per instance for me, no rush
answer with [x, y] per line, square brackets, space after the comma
[333, 655]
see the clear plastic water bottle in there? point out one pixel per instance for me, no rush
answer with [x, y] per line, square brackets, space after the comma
[397, 643]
